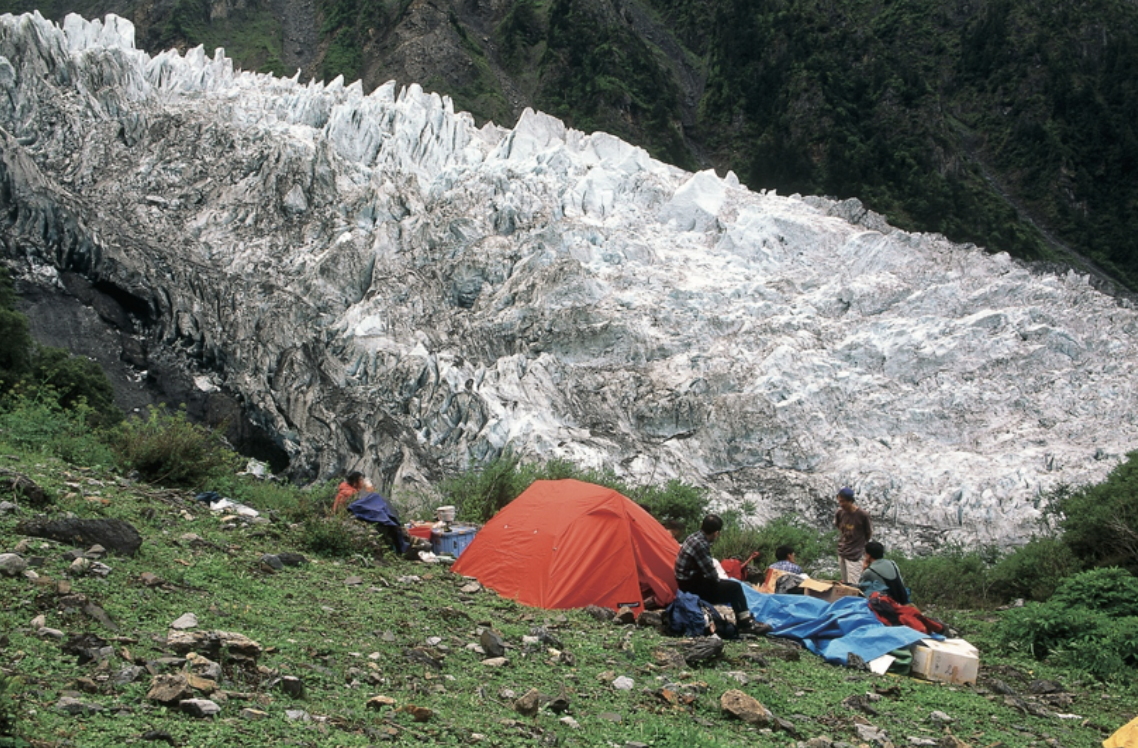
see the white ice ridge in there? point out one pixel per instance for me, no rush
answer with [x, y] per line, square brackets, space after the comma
[390, 286]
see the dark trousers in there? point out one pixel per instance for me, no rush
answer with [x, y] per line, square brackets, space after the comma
[719, 592]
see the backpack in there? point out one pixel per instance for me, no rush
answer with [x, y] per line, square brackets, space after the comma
[892, 613]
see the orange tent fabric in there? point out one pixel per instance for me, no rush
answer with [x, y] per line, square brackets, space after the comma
[568, 544]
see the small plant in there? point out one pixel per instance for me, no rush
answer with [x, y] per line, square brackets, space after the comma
[41, 425]
[1112, 592]
[336, 538]
[1032, 571]
[166, 448]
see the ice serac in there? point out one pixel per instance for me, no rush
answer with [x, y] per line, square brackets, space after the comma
[388, 287]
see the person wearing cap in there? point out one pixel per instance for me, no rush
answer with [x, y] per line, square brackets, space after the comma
[854, 531]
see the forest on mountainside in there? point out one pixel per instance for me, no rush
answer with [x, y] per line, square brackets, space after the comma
[1007, 123]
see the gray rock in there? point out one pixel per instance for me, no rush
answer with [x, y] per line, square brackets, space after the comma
[492, 643]
[22, 487]
[128, 674]
[117, 535]
[49, 633]
[200, 708]
[185, 621]
[7, 507]
[623, 683]
[75, 707]
[271, 562]
[291, 686]
[12, 564]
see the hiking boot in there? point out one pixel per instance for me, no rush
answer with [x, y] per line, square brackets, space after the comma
[754, 628]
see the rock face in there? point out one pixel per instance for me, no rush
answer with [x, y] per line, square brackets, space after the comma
[386, 287]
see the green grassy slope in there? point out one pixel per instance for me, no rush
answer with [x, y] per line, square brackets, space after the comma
[353, 627]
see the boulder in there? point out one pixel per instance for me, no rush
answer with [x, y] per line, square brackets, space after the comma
[745, 707]
[200, 708]
[12, 564]
[116, 535]
[169, 690]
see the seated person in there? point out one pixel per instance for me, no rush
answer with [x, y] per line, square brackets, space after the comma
[676, 528]
[349, 489]
[785, 560]
[881, 575]
[696, 573]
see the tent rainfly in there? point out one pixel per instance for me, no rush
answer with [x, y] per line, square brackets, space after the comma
[568, 544]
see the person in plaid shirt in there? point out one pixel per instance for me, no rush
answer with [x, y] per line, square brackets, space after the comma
[696, 573]
[785, 562]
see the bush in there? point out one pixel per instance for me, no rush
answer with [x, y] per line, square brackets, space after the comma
[295, 503]
[674, 500]
[339, 538]
[43, 426]
[1112, 592]
[1100, 522]
[809, 546]
[1033, 571]
[1040, 628]
[1109, 652]
[166, 448]
[955, 578]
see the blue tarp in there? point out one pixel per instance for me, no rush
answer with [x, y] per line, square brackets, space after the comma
[830, 630]
[371, 507]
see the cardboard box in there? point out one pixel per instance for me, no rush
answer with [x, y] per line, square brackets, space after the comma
[950, 661]
[826, 590]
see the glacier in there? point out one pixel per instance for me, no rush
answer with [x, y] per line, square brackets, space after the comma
[388, 287]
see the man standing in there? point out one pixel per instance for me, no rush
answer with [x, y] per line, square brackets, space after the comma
[695, 573]
[855, 530]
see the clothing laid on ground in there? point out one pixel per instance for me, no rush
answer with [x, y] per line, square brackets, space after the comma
[883, 576]
[786, 565]
[371, 507]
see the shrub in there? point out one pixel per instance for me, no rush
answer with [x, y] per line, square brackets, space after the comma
[41, 425]
[674, 500]
[809, 545]
[1100, 522]
[72, 381]
[1040, 628]
[1109, 652]
[295, 503]
[954, 578]
[166, 448]
[1112, 592]
[339, 538]
[1032, 571]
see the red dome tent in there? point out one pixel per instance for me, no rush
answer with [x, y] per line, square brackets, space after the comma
[568, 544]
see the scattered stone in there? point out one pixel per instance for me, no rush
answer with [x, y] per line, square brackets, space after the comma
[949, 740]
[99, 569]
[39, 621]
[292, 686]
[128, 674]
[159, 735]
[492, 643]
[380, 702]
[23, 486]
[116, 535]
[820, 741]
[198, 683]
[250, 713]
[95, 552]
[7, 507]
[150, 579]
[12, 564]
[744, 707]
[78, 567]
[354, 581]
[419, 713]
[939, 716]
[571, 723]
[270, 562]
[702, 649]
[169, 690]
[624, 616]
[49, 633]
[611, 717]
[75, 707]
[1039, 687]
[528, 704]
[471, 588]
[871, 734]
[860, 703]
[651, 619]
[87, 685]
[296, 715]
[738, 676]
[200, 708]
[203, 666]
[213, 643]
[604, 615]
[623, 683]
[185, 621]
[495, 662]
[915, 741]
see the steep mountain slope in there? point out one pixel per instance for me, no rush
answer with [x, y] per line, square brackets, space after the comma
[1007, 123]
[385, 285]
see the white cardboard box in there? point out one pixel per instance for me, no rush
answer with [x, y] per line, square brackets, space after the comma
[951, 660]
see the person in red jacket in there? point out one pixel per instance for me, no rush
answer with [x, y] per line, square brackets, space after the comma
[349, 489]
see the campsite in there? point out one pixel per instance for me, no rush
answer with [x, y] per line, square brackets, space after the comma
[354, 647]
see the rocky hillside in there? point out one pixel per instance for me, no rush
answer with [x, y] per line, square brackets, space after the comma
[134, 615]
[1007, 123]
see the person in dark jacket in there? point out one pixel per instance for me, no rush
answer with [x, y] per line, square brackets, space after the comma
[696, 573]
[879, 574]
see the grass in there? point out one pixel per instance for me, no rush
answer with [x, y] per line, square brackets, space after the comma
[350, 642]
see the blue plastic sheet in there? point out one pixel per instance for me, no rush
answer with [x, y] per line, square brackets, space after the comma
[830, 630]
